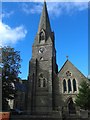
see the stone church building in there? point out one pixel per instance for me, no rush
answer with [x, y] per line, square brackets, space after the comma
[49, 90]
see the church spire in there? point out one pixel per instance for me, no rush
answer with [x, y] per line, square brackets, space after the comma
[44, 20]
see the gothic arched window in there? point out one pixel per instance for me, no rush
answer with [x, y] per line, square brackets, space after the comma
[69, 85]
[42, 36]
[44, 82]
[74, 85]
[64, 85]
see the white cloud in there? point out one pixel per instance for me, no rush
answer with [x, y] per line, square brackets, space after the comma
[31, 9]
[10, 35]
[6, 14]
[55, 8]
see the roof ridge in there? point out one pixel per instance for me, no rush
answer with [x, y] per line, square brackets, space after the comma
[72, 65]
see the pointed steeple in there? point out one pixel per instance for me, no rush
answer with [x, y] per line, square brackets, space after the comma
[44, 20]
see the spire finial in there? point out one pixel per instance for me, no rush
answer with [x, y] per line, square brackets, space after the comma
[67, 57]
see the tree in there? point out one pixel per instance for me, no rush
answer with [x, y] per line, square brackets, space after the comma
[83, 98]
[10, 65]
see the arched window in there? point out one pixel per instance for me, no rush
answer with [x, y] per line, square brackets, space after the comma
[74, 85]
[44, 82]
[64, 86]
[42, 37]
[69, 85]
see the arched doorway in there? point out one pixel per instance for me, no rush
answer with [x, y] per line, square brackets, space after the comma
[71, 106]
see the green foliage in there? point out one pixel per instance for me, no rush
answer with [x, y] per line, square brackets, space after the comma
[83, 98]
[9, 66]
[10, 62]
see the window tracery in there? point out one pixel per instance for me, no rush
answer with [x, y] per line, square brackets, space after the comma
[68, 73]
[42, 81]
[69, 85]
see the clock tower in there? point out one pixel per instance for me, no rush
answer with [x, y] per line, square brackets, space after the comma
[42, 69]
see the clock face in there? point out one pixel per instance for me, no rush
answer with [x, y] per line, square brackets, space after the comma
[41, 50]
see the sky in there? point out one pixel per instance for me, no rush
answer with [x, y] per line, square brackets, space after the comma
[69, 20]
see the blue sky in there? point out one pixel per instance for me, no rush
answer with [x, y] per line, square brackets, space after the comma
[69, 21]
